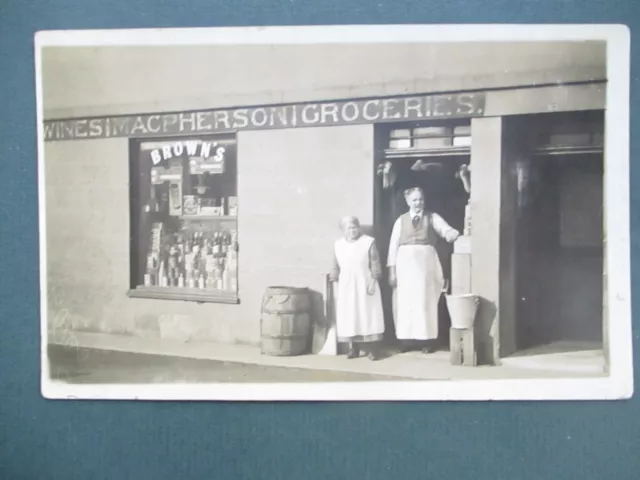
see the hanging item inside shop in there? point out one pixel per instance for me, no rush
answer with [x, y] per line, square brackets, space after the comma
[464, 174]
[526, 181]
[386, 171]
[422, 166]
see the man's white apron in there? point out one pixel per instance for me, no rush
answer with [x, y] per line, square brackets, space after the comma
[420, 283]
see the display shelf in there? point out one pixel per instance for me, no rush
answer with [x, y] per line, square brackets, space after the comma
[220, 218]
[185, 294]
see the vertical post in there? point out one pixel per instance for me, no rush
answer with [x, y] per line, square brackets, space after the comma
[330, 345]
[508, 279]
[605, 291]
[495, 327]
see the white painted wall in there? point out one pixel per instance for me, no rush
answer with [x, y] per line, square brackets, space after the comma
[83, 81]
[293, 187]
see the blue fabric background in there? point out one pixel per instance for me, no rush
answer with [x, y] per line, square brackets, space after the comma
[42, 439]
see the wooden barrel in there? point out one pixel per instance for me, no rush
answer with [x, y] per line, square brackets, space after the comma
[285, 324]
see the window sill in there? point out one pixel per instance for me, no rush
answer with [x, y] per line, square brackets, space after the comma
[209, 218]
[184, 294]
[391, 153]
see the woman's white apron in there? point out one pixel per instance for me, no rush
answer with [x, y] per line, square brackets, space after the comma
[420, 283]
[357, 312]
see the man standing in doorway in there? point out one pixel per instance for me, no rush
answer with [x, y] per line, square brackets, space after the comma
[415, 271]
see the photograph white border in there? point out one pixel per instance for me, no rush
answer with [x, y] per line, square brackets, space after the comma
[617, 385]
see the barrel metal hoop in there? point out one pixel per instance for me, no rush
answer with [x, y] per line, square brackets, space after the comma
[283, 336]
[284, 300]
[284, 312]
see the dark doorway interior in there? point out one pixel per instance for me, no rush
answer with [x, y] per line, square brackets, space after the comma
[560, 250]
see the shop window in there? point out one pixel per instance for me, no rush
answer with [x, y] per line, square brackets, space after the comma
[428, 138]
[431, 137]
[184, 204]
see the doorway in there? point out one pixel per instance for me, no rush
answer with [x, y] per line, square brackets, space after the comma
[559, 238]
[444, 195]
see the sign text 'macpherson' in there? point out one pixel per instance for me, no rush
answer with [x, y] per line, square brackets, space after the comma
[269, 117]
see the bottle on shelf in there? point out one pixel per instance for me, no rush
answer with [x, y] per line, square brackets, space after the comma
[163, 274]
[216, 243]
[210, 264]
[181, 258]
[234, 240]
[154, 206]
[218, 278]
[188, 267]
[225, 279]
[225, 242]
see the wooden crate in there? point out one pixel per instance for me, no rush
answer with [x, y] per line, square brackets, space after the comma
[463, 347]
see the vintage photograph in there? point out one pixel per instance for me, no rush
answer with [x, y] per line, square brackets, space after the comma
[335, 213]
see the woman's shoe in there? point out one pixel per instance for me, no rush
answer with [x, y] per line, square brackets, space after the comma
[428, 350]
[354, 352]
[373, 356]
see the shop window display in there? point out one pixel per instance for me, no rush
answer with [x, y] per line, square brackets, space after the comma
[184, 207]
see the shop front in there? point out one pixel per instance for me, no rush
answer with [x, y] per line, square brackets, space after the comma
[526, 191]
[200, 211]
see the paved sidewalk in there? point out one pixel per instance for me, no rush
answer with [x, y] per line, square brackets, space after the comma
[406, 366]
[88, 366]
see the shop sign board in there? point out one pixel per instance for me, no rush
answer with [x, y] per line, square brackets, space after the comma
[330, 113]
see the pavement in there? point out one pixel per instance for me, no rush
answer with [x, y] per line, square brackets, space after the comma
[93, 366]
[81, 357]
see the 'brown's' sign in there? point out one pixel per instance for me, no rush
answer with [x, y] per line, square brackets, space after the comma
[270, 117]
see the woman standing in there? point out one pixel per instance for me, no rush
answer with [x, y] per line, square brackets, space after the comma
[415, 270]
[357, 269]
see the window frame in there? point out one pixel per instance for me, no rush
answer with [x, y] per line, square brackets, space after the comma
[138, 230]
